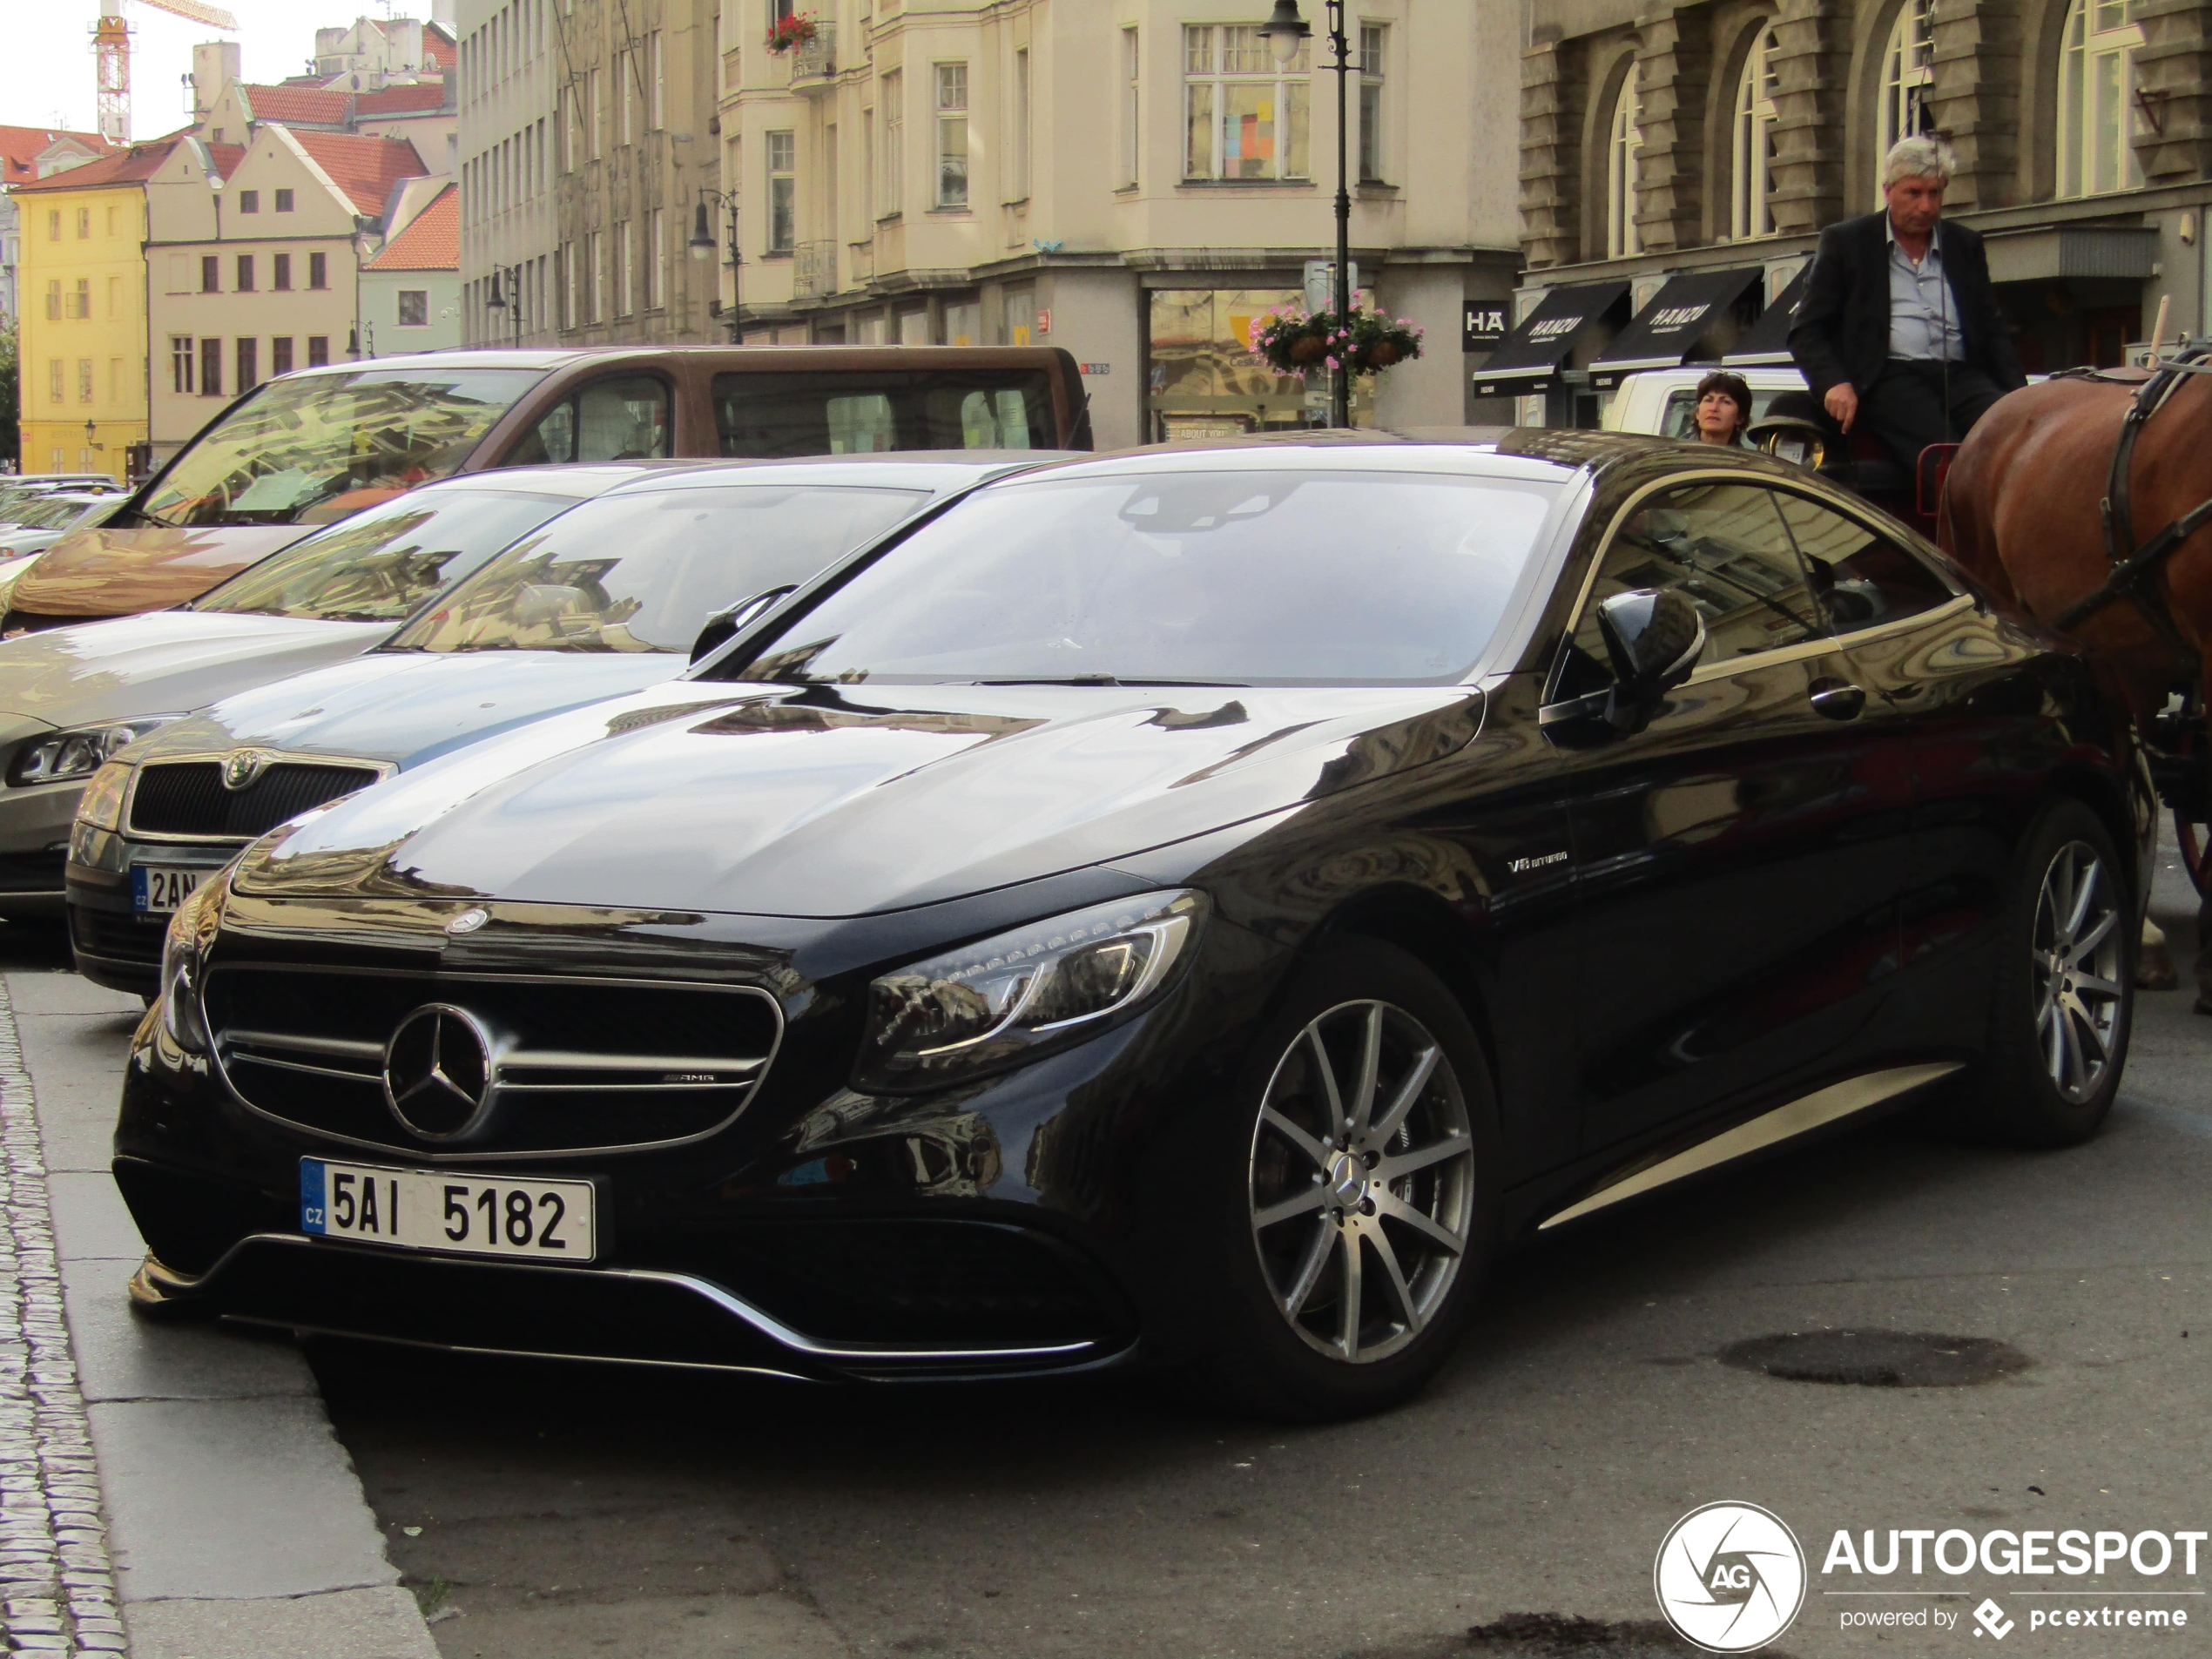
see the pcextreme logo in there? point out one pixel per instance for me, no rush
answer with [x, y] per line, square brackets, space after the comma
[1729, 1577]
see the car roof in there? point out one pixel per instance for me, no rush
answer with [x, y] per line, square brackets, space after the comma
[929, 469]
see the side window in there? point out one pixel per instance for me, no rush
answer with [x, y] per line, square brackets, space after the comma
[1724, 545]
[1862, 576]
[612, 420]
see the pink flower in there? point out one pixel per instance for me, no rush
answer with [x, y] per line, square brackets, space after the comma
[1333, 363]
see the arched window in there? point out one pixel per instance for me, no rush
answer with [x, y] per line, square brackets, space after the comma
[1750, 214]
[1908, 71]
[1622, 149]
[2096, 87]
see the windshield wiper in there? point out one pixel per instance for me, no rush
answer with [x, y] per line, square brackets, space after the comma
[1108, 679]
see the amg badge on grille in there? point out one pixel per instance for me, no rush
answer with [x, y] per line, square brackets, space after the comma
[240, 770]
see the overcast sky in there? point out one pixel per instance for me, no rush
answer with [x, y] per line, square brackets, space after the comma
[46, 55]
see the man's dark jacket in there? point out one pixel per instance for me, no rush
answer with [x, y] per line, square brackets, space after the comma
[1842, 327]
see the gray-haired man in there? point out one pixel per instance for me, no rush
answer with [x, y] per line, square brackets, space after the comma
[1899, 328]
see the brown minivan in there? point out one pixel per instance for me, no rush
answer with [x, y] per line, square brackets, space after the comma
[312, 447]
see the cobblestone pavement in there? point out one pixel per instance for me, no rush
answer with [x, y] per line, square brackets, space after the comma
[59, 1590]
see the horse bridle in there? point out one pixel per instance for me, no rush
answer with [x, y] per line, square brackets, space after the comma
[2134, 569]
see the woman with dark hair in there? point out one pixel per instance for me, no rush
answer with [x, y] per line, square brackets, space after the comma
[1723, 409]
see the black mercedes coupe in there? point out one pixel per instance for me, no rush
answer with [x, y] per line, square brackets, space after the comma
[1195, 904]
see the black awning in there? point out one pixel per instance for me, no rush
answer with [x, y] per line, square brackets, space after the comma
[1570, 326]
[1695, 318]
[1767, 340]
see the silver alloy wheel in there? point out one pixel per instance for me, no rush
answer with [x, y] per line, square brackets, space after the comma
[2078, 998]
[1362, 1180]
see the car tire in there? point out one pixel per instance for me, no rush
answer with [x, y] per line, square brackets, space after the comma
[1291, 1209]
[2063, 1010]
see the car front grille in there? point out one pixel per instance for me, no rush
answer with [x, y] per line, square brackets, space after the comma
[189, 798]
[576, 1065]
[118, 938]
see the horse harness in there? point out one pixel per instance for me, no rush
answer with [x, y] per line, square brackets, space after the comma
[2133, 570]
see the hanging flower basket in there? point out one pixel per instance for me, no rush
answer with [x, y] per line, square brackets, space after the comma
[794, 31]
[1294, 341]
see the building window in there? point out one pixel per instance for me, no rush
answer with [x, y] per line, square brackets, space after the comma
[625, 98]
[1750, 209]
[567, 256]
[54, 371]
[656, 103]
[318, 350]
[1908, 71]
[245, 273]
[1132, 129]
[1622, 146]
[281, 355]
[894, 143]
[249, 372]
[656, 255]
[594, 117]
[115, 380]
[80, 303]
[280, 272]
[249, 201]
[115, 296]
[211, 368]
[54, 226]
[1020, 171]
[180, 375]
[318, 270]
[1374, 42]
[952, 135]
[415, 308]
[626, 264]
[83, 379]
[84, 224]
[1244, 116]
[2096, 93]
[284, 201]
[210, 268]
[111, 221]
[595, 275]
[782, 190]
[53, 299]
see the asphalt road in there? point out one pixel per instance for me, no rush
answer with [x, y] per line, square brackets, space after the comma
[564, 1512]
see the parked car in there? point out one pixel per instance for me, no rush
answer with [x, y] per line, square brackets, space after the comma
[611, 597]
[1664, 402]
[1193, 904]
[36, 524]
[70, 697]
[315, 446]
[22, 492]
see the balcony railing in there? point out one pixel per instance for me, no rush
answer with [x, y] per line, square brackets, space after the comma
[813, 269]
[815, 60]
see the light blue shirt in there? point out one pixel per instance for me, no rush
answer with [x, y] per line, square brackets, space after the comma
[1923, 312]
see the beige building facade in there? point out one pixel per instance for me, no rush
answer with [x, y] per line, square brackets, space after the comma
[1704, 146]
[1132, 180]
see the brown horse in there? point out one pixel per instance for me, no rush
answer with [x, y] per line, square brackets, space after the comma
[2022, 511]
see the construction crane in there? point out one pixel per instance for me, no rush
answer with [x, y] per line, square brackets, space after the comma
[111, 51]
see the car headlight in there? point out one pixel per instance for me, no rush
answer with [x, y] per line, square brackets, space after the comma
[183, 950]
[101, 804]
[1010, 998]
[63, 755]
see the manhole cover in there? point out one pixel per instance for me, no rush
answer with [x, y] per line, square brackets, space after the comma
[1878, 1359]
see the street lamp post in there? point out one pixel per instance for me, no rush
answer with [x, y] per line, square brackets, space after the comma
[702, 245]
[1285, 30]
[498, 301]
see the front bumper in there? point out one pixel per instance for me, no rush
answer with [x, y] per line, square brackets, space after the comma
[114, 943]
[34, 846]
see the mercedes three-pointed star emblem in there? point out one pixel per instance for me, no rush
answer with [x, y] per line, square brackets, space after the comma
[438, 1073]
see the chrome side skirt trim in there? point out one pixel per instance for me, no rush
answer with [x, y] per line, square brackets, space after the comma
[1800, 1117]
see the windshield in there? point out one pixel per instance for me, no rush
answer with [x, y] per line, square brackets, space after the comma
[644, 570]
[54, 513]
[1234, 578]
[382, 563]
[311, 450]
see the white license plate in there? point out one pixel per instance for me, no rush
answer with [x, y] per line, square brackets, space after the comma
[164, 887]
[464, 1215]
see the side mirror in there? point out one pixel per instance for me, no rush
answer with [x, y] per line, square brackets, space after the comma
[723, 625]
[1655, 639]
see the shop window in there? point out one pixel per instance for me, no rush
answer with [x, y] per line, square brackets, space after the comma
[964, 322]
[1244, 117]
[1908, 71]
[1623, 146]
[1203, 380]
[2096, 95]
[1751, 206]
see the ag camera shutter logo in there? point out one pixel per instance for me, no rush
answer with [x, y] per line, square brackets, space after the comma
[1730, 1577]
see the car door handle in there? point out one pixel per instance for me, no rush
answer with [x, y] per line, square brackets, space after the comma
[1837, 699]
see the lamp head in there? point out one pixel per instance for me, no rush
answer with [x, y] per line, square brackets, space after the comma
[496, 300]
[1285, 30]
[702, 243]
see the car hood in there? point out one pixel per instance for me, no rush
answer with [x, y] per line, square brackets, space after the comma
[840, 801]
[409, 707]
[163, 662]
[114, 572]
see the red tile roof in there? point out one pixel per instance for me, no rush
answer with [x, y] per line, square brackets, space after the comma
[365, 168]
[431, 241]
[131, 166]
[424, 97]
[20, 148]
[293, 105]
[440, 50]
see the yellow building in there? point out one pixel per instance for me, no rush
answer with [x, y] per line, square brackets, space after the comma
[82, 277]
